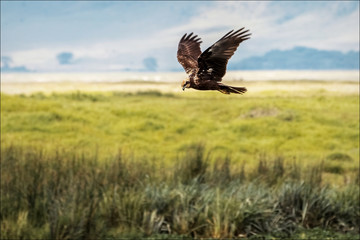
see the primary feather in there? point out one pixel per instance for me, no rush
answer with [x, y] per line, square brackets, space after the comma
[189, 52]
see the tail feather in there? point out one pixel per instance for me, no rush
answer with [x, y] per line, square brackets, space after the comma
[229, 89]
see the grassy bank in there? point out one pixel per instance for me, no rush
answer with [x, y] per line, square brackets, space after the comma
[59, 195]
[308, 126]
[276, 163]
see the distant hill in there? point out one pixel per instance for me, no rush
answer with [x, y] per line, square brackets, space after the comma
[5, 66]
[299, 58]
[15, 69]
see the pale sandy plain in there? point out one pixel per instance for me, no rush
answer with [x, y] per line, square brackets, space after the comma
[256, 81]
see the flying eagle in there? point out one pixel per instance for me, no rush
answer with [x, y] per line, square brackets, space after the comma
[206, 69]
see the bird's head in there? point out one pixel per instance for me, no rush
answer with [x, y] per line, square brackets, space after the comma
[185, 84]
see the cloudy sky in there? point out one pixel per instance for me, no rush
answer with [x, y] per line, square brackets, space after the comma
[118, 35]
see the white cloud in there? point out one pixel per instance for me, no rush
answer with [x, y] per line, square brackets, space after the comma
[320, 27]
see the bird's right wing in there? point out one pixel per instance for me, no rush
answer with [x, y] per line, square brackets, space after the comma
[212, 62]
[188, 52]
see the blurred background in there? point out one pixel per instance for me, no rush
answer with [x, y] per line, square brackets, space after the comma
[138, 36]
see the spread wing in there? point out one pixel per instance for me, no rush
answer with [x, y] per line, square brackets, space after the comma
[188, 52]
[212, 62]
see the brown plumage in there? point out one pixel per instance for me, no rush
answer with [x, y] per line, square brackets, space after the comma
[206, 69]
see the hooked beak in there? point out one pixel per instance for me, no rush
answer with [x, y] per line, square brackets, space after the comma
[185, 85]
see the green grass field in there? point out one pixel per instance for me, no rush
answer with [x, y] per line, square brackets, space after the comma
[203, 164]
[306, 126]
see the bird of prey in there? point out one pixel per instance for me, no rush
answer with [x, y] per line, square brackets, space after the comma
[205, 70]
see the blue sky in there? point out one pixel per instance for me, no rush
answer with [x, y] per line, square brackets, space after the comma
[119, 35]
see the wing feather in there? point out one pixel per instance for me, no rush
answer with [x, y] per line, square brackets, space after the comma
[213, 61]
[189, 52]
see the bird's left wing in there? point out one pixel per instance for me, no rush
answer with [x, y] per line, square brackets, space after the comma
[212, 62]
[188, 52]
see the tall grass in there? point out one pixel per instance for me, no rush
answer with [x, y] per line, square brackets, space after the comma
[75, 195]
